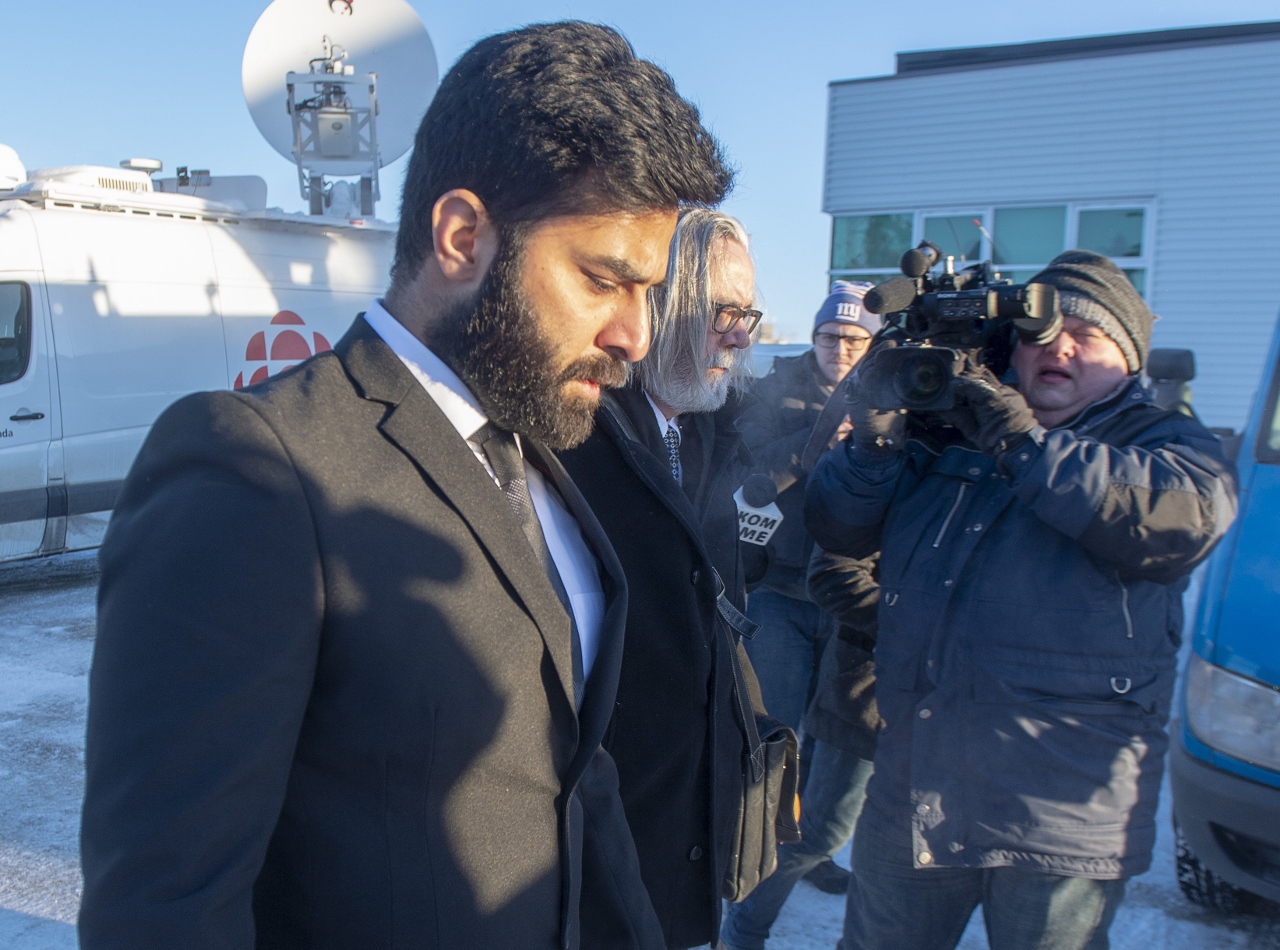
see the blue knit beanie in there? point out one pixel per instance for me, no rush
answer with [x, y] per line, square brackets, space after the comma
[844, 305]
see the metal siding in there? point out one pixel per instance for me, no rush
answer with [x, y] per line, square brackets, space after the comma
[1196, 129]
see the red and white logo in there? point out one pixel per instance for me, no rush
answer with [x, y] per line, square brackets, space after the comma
[283, 344]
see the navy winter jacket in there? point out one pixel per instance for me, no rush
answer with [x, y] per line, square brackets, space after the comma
[1029, 621]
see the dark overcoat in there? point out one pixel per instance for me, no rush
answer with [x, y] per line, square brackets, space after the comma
[331, 703]
[674, 736]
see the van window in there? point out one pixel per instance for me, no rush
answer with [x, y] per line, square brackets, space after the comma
[15, 331]
[1269, 438]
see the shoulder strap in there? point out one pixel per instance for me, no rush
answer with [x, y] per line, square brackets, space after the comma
[734, 621]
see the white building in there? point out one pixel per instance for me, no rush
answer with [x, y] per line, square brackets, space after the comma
[1159, 149]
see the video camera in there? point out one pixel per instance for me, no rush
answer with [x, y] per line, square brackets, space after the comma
[933, 324]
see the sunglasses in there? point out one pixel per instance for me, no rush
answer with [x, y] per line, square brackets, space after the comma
[727, 317]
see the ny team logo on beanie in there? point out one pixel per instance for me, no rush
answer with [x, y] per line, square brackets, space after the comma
[844, 305]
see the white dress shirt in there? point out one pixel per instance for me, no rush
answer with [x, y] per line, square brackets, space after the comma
[663, 425]
[578, 567]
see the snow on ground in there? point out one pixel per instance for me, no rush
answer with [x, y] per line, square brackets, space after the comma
[46, 643]
[1154, 915]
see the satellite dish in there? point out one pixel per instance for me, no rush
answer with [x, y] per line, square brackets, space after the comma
[357, 41]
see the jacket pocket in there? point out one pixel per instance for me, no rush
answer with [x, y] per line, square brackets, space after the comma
[1074, 685]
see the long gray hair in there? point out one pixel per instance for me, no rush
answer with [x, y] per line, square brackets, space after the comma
[680, 316]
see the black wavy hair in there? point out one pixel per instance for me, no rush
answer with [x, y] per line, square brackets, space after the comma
[551, 119]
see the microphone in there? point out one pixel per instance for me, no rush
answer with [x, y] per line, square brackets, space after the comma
[758, 515]
[759, 491]
[917, 261]
[892, 296]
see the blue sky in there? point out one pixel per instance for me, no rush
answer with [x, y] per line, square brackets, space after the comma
[98, 82]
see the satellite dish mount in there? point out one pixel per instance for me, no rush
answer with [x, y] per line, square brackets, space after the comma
[330, 133]
[339, 123]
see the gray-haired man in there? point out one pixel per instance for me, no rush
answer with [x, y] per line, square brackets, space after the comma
[660, 473]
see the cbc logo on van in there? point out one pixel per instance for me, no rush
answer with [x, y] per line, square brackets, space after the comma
[284, 343]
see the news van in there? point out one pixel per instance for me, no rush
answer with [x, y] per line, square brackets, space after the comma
[119, 294]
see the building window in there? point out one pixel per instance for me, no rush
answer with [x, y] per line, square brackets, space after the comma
[1115, 232]
[15, 331]
[959, 235]
[870, 240]
[1029, 235]
[1019, 239]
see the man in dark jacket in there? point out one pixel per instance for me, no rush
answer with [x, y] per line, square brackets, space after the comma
[358, 633]
[776, 429]
[787, 650]
[660, 473]
[1035, 546]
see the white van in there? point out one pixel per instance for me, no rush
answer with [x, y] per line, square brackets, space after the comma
[119, 294]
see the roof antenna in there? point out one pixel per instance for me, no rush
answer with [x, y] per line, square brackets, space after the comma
[995, 249]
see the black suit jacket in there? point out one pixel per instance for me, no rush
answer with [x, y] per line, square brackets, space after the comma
[331, 699]
[675, 734]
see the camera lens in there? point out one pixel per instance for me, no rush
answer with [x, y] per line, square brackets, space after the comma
[921, 380]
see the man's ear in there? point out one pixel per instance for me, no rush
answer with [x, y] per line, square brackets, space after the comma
[464, 238]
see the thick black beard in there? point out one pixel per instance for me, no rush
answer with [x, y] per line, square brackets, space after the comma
[496, 345]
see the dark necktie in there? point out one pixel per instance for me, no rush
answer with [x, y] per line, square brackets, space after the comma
[504, 456]
[672, 438]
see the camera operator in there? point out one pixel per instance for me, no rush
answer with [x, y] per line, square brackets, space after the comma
[1035, 546]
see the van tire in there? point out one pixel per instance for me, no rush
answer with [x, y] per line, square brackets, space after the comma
[1201, 886]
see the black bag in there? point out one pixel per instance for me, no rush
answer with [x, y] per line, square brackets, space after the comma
[770, 774]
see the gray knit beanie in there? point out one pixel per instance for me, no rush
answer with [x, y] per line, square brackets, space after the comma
[1092, 288]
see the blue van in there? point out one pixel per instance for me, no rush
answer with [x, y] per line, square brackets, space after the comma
[1225, 749]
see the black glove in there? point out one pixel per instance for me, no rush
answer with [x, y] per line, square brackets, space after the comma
[991, 415]
[874, 428]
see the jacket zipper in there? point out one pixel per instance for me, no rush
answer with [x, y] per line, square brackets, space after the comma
[951, 514]
[1124, 605]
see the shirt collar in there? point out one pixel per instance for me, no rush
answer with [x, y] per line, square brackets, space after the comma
[663, 422]
[441, 383]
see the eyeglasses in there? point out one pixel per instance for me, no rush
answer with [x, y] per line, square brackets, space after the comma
[829, 341]
[727, 317]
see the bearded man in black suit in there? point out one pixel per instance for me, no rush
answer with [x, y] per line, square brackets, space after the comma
[359, 634]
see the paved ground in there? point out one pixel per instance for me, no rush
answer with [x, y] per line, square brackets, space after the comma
[46, 642]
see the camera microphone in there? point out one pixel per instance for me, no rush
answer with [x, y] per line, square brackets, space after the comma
[894, 295]
[919, 260]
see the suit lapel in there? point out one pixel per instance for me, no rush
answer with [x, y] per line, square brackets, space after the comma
[415, 424]
[655, 474]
